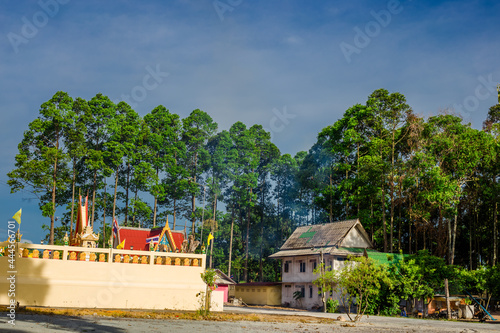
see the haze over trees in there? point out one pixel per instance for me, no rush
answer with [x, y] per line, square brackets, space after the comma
[416, 184]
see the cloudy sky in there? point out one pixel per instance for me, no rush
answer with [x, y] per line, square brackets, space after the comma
[292, 66]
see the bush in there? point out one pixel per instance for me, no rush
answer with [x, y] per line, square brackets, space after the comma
[332, 305]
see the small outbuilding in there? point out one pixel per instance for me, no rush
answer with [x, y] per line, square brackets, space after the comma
[225, 284]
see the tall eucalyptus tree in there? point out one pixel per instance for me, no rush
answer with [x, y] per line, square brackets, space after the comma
[197, 129]
[41, 163]
[97, 119]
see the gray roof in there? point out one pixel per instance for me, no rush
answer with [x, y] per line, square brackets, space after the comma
[222, 278]
[327, 237]
[333, 250]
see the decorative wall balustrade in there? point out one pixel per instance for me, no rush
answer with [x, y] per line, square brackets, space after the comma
[110, 256]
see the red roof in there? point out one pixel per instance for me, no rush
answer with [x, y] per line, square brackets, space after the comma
[136, 237]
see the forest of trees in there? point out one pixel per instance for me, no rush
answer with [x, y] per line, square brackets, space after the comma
[415, 183]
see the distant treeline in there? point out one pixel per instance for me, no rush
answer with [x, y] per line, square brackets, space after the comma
[414, 183]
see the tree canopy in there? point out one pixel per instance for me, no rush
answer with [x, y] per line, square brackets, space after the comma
[415, 183]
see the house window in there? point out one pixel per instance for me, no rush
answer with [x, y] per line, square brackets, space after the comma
[302, 265]
[313, 264]
[310, 291]
[302, 290]
[286, 267]
[330, 264]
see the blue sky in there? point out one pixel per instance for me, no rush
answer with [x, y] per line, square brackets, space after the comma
[282, 64]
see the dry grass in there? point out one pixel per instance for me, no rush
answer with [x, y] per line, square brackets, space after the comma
[171, 315]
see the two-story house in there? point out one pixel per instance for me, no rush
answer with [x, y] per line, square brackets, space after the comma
[304, 250]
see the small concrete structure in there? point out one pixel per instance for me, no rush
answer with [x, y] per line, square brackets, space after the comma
[217, 301]
[259, 293]
[225, 284]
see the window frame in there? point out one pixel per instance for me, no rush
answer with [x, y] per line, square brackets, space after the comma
[302, 266]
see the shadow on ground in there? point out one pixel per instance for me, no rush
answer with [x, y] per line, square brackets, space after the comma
[42, 323]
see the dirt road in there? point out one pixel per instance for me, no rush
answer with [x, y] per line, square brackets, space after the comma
[53, 323]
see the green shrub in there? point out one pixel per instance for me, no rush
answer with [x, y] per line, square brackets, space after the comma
[332, 305]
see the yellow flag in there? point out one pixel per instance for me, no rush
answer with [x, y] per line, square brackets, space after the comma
[17, 216]
[121, 245]
[210, 237]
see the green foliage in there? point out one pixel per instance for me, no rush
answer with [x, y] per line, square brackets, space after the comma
[415, 184]
[492, 278]
[327, 279]
[42, 161]
[297, 295]
[332, 305]
[359, 285]
[209, 277]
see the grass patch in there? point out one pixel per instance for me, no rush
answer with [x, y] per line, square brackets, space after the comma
[170, 315]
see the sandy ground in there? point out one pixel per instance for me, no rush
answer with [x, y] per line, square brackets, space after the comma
[54, 323]
[276, 320]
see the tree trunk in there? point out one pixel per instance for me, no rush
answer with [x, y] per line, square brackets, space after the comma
[174, 213]
[425, 239]
[231, 243]
[416, 238]
[52, 216]
[278, 226]
[384, 225]
[476, 242]
[135, 199]
[193, 197]
[261, 234]
[453, 240]
[156, 201]
[470, 244]
[450, 260]
[330, 213]
[409, 226]
[114, 196]
[193, 210]
[175, 194]
[399, 218]
[104, 221]
[93, 198]
[247, 246]
[495, 217]
[392, 193]
[347, 200]
[447, 295]
[357, 171]
[371, 219]
[154, 211]
[72, 201]
[212, 229]
[126, 191]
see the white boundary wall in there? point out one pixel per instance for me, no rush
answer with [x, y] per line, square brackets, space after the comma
[92, 284]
